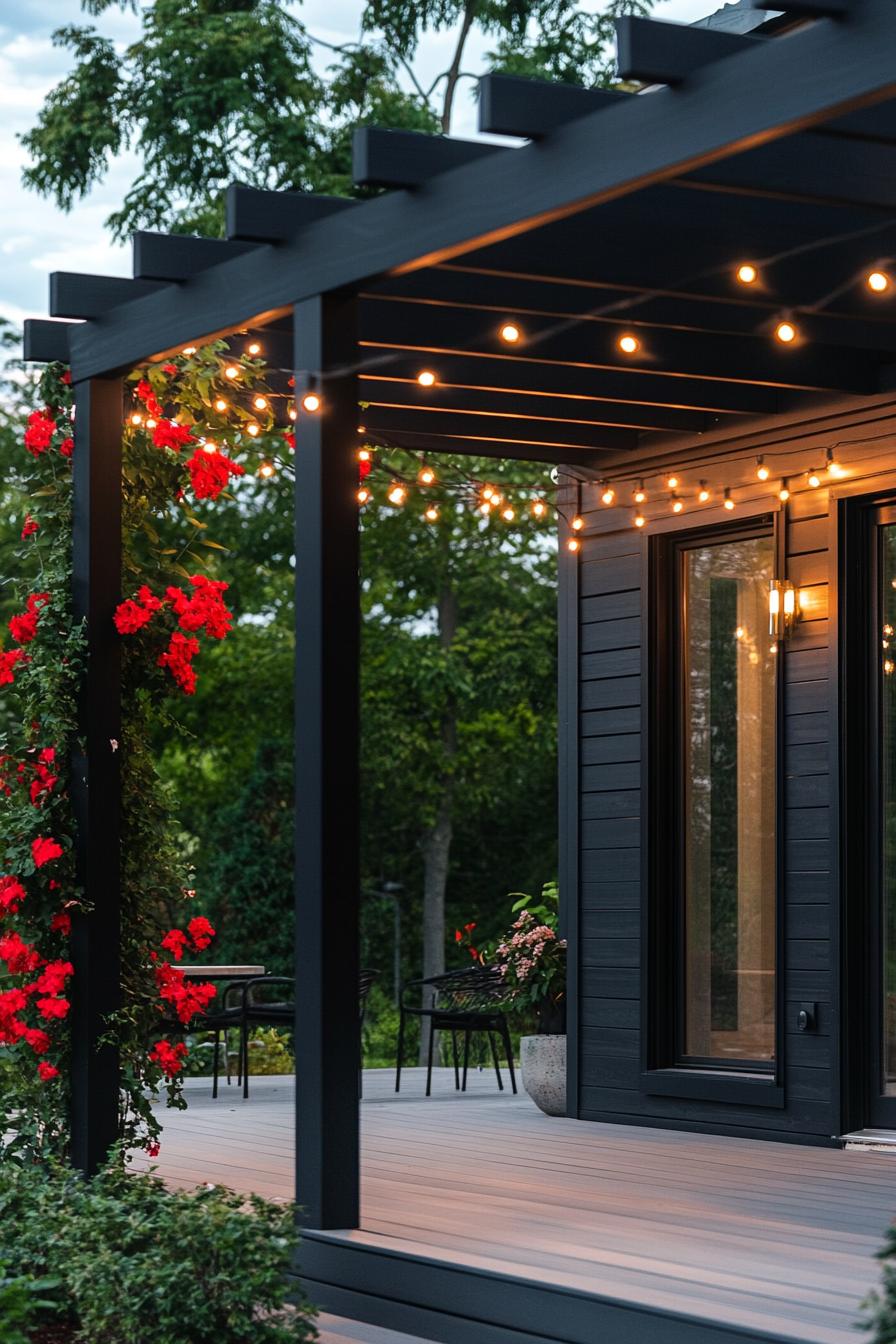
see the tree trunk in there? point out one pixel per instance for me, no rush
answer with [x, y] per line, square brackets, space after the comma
[437, 841]
[453, 74]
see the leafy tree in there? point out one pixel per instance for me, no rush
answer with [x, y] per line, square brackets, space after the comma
[220, 90]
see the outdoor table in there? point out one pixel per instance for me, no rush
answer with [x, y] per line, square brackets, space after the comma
[223, 972]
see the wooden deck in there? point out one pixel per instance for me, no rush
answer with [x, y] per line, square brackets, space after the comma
[748, 1239]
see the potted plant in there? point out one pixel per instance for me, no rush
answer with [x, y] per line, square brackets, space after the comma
[532, 960]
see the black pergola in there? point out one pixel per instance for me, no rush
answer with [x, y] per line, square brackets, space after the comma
[623, 215]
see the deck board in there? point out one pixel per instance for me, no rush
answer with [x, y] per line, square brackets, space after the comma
[768, 1237]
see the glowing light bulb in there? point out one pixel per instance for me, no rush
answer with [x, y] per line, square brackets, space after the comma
[485, 507]
[259, 403]
[639, 519]
[231, 372]
[363, 454]
[785, 332]
[762, 470]
[747, 273]
[488, 492]
[431, 514]
[220, 404]
[266, 469]
[397, 494]
[573, 544]
[311, 402]
[740, 632]
[136, 419]
[254, 348]
[677, 504]
[292, 413]
[510, 333]
[703, 492]
[254, 430]
[672, 482]
[608, 495]
[508, 514]
[728, 502]
[639, 495]
[189, 349]
[577, 523]
[209, 446]
[784, 494]
[629, 344]
[833, 466]
[878, 282]
[427, 476]
[539, 508]
[151, 424]
[888, 666]
[426, 378]
[362, 495]
[814, 479]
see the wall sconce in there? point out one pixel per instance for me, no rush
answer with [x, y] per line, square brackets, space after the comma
[783, 608]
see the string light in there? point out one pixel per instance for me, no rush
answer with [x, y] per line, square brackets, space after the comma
[364, 454]
[311, 402]
[672, 482]
[266, 469]
[510, 333]
[189, 349]
[785, 332]
[640, 494]
[878, 281]
[136, 419]
[151, 424]
[639, 519]
[739, 632]
[397, 494]
[747, 273]
[253, 430]
[427, 476]
[260, 403]
[784, 493]
[231, 372]
[813, 478]
[577, 523]
[762, 470]
[573, 544]
[833, 466]
[728, 502]
[629, 344]
[426, 378]
[209, 446]
[292, 413]
[488, 492]
[485, 507]
[508, 514]
[677, 504]
[254, 348]
[431, 514]
[539, 508]
[220, 404]
[608, 495]
[363, 495]
[703, 492]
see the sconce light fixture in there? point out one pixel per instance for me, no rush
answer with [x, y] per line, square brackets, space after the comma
[783, 608]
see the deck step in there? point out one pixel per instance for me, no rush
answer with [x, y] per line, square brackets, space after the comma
[870, 1140]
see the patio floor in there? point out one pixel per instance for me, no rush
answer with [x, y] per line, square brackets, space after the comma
[773, 1240]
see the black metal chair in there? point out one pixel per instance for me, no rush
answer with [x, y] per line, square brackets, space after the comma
[471, 1000]
[256, 1010]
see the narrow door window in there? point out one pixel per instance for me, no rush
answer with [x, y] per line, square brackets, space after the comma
[727, 762]
[886, 662]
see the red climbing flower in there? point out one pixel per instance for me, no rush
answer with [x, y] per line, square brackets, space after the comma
[24, 628]
[66, 377]
[170, 1058]
[210, 473]
[169, 434]
[7, 663]
[29, 527]
[39, 432]
[12, 894]
[20, 957]
[142, 390]
[51, 1009]
[37, 1039]
[44, 849]
[47, 1071]
[132, 614]
[204, 608]
[175, 942]
[53, 977]
[169, 369]
[201, 932]
[67, 446]
[61, 923]
[178, 658]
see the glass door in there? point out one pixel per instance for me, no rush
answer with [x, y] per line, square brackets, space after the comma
[882, 758]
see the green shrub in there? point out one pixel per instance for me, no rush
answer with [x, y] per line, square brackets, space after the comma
[132, 1262]
[23, 1301]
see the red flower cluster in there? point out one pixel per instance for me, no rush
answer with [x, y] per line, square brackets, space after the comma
[47, 1071]
[44, 849]
[170, 1058]
[364, 469]
[24, 628]
[169, 434]
[185, 997]
[29, 527]
[132, 614]
[39, 432]
[12, 894]
[199, 932]
[8, 662]
[67, 447]
[204, 608]
[20, 957]
[61, 923]
[178, 658]
[210, 473]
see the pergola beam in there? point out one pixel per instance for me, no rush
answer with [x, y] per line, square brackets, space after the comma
[252, 215]
[86, 296]
[177, 257]
[409, 158]
[759, 96]
[668, 53]
[532, 108]
[45, 342]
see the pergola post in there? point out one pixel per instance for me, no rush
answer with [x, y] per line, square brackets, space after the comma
[95, 775]
[327, 723]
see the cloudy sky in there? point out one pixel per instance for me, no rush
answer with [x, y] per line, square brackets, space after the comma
[35, 237]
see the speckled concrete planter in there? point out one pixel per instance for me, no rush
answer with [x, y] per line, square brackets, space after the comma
[543, 1060]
